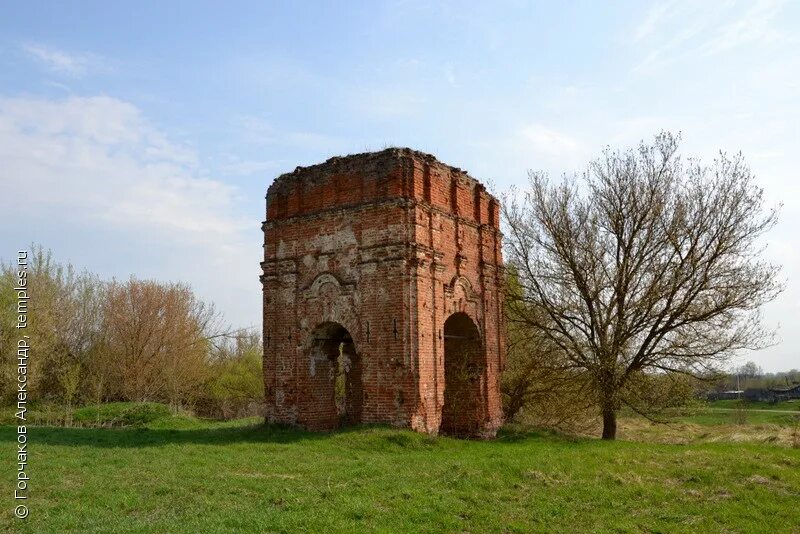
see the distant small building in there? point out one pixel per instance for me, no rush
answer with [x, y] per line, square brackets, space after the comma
[724, 395]
[758, 395]
[787, 393]
[773, 394]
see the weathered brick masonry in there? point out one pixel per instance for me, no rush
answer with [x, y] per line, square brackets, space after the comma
[382, 296]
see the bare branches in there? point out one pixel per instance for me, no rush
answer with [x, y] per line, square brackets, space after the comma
[159, 336]
[647, 263]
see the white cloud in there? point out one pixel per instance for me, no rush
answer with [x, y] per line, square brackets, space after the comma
[75, 65]
[63, 87]
[99, 159]
[80, 168]
[551, 142]
[450, 75]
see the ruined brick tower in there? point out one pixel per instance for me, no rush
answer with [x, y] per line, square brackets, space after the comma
[382, 296]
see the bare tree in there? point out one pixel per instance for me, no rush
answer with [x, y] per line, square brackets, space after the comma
[750, 370]
[748, 373]
[156, 340]
[647, 265]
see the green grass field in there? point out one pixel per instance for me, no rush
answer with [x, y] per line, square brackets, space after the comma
[181, 475]
[740, 412]
[791, 405]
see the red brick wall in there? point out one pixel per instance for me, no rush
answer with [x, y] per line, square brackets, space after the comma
[388, 245]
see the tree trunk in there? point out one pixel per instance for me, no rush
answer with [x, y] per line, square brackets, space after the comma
[609, 423]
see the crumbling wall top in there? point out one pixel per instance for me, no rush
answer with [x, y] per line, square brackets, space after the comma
[373, 176]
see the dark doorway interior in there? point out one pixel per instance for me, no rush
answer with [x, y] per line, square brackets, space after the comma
[464, 373]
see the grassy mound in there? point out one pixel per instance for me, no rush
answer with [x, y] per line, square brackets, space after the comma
[113, 414]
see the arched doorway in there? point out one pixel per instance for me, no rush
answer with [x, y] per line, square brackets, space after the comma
[464, 372]
[336, 387]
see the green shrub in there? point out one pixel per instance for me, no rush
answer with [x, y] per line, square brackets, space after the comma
[237, 387]
[122, 413]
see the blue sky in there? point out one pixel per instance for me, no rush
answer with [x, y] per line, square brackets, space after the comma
[141, 139]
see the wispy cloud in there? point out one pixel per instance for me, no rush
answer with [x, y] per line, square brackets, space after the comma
[254, 130]
[244, 167]
[75, 65]
[651, 21]
[382, 102]
[753, 26]
[550, 141]
[258, 131]
[681, 30]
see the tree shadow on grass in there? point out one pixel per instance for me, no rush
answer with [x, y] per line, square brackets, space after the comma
[146, 437]
[512, 433]
[136, 437]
